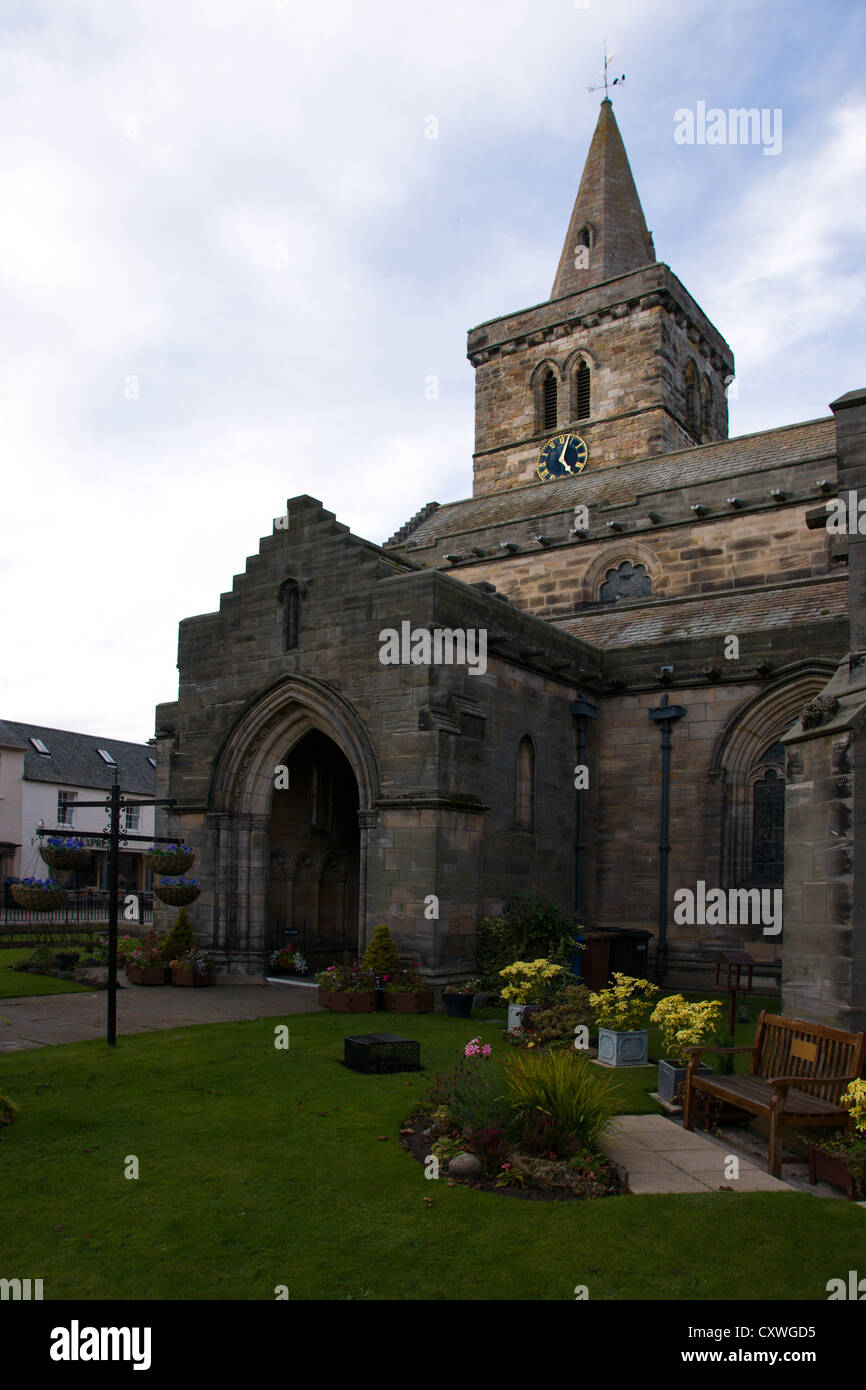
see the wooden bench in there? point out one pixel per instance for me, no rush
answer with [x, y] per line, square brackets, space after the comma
[797, 1073]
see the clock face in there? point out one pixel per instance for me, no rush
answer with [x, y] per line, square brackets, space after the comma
[562, 457]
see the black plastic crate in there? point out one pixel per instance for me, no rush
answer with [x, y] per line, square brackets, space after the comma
[381, 1052]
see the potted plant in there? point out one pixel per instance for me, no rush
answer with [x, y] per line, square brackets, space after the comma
[411, 993]
[177, 892]
[620, 1011]
[347, 988]
[529, 983]
[148, 964]
[459, 998]
[287, 961]
[64, 854]
[39, 894]
[169, 859]
[194, 968]
[841, 1159]
[682, 1025]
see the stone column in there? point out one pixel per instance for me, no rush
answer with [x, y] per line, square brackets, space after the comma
[824, 940]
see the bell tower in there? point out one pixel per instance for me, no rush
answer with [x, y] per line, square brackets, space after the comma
[620, 354]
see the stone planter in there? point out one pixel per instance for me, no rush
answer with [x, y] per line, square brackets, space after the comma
[152, 975]
[421, 1003]
[176, 894]
[458, 1005]
[672, 1076]
[195, 978]
[517, 1021]
[832, 1168]
[623, 1049]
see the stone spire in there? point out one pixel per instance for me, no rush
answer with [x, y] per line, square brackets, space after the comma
[607, 206]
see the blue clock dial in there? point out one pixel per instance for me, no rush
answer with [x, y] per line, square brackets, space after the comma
[563, 456]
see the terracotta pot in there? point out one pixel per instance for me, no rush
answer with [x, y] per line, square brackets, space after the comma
[176, 894]
[421, 1003]
[832, 1168]
[170, 864]
[362, 1001]
[152, 975]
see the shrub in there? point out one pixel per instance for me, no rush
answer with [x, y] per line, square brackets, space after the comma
[624, 1006]
[180, 939]
[684, 1024]
[556, 1024]
[531, 981]
[381, 954]
[490, 1144]
[473, 1094]
[579, 1100]
[531, 927]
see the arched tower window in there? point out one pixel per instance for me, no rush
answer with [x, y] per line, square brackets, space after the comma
[706, 408]
[693, 422]
[548, 401]
[524, 799]
[626, 581]
[290, 598]
[583, 237]
[582, 396]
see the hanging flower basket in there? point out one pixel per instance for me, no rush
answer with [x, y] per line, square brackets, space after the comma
[172, 859]
[65, 854]
[40, 895]
[177, 892]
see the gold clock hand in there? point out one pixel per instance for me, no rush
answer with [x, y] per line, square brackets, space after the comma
[562, 455]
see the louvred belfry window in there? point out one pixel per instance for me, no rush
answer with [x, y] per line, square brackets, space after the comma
[549, 412]
[583, 380]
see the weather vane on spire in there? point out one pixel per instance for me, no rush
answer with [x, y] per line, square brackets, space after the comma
[607, 82]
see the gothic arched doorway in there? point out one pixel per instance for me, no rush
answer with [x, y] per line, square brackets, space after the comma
[315, 854]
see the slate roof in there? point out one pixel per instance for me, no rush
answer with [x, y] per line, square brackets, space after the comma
[754, 610]
[73, 760]
[624, 482]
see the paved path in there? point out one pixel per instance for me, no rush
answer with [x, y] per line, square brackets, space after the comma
[661, 1156]
[40, 1020]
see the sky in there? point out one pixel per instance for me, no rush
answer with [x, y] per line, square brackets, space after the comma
[232, 256]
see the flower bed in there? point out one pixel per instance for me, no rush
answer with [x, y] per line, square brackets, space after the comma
[529, 1127]
[288, 961]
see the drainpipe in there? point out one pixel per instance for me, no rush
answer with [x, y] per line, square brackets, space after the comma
[664, 714]
[582, 708]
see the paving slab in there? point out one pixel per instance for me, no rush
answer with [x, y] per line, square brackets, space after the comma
[661, 1156]
[46, 1019]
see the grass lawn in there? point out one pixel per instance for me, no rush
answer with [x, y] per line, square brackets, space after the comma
[15, 983]
[261, 1167]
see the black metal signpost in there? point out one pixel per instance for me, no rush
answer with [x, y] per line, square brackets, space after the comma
[114, 803]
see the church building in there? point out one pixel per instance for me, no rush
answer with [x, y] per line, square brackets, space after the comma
[578, 678]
